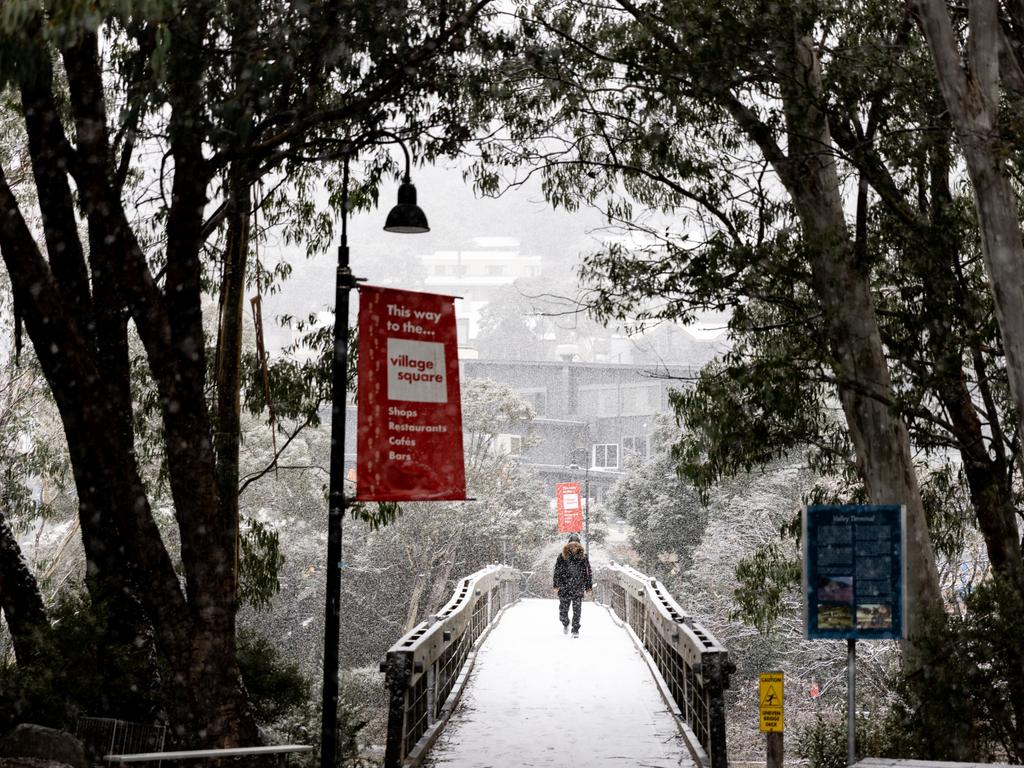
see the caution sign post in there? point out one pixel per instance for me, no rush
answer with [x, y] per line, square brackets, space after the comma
[770, 698]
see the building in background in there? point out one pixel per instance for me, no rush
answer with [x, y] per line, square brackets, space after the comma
[475, 274]
[597, 416]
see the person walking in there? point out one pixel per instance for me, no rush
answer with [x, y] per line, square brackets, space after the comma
[572, 578]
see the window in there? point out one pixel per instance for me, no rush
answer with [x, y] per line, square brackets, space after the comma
[606, 456]
[640, 399]
[509, 445]
[598, 401]
[538, 398]
[635, 445]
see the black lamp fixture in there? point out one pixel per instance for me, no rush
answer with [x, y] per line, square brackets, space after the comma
[406, 217]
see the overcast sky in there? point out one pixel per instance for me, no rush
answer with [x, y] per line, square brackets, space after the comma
[456, 216]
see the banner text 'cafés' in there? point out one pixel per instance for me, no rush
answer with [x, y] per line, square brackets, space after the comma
[410, 415]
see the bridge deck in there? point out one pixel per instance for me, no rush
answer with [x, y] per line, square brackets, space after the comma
[539, 698]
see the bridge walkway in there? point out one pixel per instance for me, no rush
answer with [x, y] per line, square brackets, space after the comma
[536, 697]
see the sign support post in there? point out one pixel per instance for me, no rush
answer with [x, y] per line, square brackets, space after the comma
[851, 701]
[855, 583]
[775, 750]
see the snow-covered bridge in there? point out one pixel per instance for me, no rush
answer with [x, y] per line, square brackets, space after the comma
[492, 681]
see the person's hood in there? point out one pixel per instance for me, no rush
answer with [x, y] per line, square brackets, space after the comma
[573, 551]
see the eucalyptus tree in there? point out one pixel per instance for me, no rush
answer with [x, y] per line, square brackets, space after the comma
[205, 99]
[738, 139]
[980, 71]
[721, 107]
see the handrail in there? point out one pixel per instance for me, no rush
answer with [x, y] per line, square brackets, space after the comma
[200, 754]
[693, 664]
[424, 669]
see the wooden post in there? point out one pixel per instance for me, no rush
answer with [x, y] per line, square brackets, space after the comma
[775, 749]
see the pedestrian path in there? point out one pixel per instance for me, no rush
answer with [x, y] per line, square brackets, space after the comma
[537, 697]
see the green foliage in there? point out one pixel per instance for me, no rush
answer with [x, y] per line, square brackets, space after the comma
[302, 726]
[374, 515]
[773, 572]
[148, 425]
[82, 673]
[300, 378]
[287, 704]
[766, 579]
[260, 563]
[824, 744]
[948, 509]
[975, 694]
[666, 517]
[759, 404]
[31, 453]
[275, 685]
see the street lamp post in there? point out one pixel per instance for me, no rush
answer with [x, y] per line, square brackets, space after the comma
[343, 283]
[404, 217]
[586, 495]
[586, 505]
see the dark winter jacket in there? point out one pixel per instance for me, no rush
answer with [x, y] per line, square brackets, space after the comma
[572, 570]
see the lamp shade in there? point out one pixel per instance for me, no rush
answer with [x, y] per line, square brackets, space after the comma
[407, 217]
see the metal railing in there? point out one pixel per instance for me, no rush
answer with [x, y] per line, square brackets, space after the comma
[107, 735]
[693, 664]
[423, 668]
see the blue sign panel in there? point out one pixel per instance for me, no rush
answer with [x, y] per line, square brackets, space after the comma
[854, 578]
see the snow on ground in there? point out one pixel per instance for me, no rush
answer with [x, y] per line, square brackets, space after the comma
[539, 698]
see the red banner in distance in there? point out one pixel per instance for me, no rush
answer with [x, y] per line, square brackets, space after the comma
[570, 512]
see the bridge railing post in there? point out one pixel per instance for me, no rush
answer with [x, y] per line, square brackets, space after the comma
[431, 694]
[397, 671]
[715, 667]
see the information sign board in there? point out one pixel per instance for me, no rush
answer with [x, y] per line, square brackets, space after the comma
[770, 695]
[854, 571]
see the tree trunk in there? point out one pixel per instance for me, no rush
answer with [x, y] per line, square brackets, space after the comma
[412, 613]
[88, 379]
[229, 355]
[843, 289]
[439, 591]
[971, 94]
[842, 285]
[20, 600]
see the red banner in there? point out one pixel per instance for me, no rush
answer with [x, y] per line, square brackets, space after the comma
[409, 446]
[570, 514]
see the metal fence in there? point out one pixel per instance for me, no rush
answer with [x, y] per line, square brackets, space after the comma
[107, 736]
[422, 669]
[693, 664]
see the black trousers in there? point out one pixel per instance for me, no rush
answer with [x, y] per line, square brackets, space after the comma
[564, 601]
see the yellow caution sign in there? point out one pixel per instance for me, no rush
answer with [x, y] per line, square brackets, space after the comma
[770, 698]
